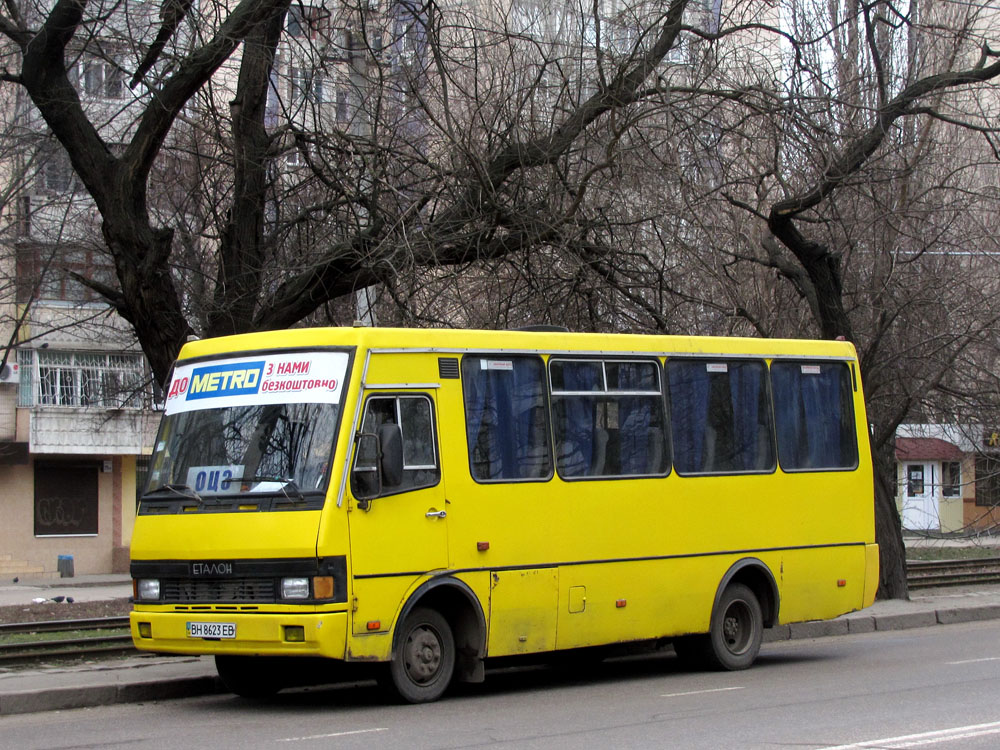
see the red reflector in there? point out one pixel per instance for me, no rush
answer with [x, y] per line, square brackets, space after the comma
[482, 546]
[374, 624]
[841, 583]
[620, 603]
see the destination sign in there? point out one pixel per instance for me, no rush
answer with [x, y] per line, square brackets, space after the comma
[302, 377]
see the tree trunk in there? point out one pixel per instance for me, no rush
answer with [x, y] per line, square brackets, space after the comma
[242, 251]
[824, 277]
[888, 530]
[149, 300]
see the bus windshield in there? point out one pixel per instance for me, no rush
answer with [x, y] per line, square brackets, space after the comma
[248, 426]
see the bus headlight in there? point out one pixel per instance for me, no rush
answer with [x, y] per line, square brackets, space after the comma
[147, 590]
[294, 588]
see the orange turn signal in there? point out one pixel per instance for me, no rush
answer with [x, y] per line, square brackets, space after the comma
[323, 587]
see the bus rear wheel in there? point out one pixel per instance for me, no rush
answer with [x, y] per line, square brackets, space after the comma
[424, 660]
[737, 629]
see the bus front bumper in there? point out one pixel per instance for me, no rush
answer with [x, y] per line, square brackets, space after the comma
[321, 634]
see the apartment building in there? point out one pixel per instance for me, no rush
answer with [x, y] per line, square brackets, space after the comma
[77, 414]
[77, 419]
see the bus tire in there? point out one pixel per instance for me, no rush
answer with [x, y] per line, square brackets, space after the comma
[737, 629]
[424, 660]
[252, 677]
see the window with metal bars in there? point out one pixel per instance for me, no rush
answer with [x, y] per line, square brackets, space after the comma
[74, 379]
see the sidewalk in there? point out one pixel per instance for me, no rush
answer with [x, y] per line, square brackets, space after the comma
[93, 588]
[149, 677]
[131, 679]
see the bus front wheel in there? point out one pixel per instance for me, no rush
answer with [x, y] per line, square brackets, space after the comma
[737, 629]
[424, 661]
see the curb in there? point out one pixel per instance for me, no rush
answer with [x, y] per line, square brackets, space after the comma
[57, 699]
[881, 623]
[89, 696]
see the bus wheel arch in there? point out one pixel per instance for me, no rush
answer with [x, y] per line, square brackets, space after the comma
[756, 576]
[746, 602]
[459, 607]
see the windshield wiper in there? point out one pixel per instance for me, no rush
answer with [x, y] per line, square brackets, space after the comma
[178, 489]
[287, 483]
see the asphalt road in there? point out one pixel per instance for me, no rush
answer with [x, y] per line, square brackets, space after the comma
[929, 688]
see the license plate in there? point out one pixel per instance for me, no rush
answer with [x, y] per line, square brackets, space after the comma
[211, 629]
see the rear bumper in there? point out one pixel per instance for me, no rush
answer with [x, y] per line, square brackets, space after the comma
[323, 634]
[871, 574]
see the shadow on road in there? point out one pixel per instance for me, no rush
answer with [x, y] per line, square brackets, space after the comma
[565, 670]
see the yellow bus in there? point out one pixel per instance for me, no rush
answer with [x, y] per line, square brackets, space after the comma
[427, 500]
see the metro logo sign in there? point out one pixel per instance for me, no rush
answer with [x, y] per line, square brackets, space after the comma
[226, 380]
[302, 377]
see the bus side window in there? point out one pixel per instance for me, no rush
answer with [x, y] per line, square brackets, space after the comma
[415, 418]
[506, 418]
[814, 415]
[720, 416]
[608, 418]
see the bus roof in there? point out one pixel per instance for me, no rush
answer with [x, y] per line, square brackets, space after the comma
[451, 340]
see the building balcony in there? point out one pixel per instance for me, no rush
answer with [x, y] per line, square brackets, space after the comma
[90, 431]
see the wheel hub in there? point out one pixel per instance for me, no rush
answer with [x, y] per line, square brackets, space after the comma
[736, 627]
[423, 655]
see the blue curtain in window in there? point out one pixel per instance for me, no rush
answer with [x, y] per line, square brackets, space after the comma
[744, 390]
[635, 421]
[576, 433]
[689, 394]
[530, 442]
[786, 382]
[505, 419]
[481, 420]
[808, 410]
[821, 405]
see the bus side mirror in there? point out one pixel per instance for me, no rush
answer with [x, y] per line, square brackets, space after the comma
[366, 479]
[390, 438]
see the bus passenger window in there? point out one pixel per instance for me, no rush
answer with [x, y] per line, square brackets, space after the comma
[506, 418]
[814, 415]
[608, 418]
[720, 416]
[416, 422]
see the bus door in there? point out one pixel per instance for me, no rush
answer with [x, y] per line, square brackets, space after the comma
[403, 532]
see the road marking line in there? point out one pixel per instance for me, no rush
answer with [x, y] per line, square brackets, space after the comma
[700, 692]
[975, 661]
[333, 734]
[924, 738]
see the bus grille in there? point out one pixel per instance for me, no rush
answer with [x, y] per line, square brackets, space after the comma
[219, 590]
